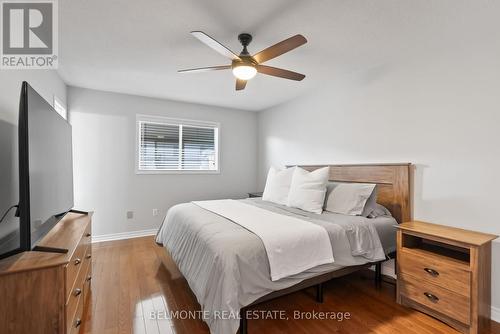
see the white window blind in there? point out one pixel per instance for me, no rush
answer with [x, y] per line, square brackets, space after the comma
[170, 145]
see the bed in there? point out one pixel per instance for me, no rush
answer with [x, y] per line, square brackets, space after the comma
[226, 265]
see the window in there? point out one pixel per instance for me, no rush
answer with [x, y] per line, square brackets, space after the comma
[60, 107]
[166, 145]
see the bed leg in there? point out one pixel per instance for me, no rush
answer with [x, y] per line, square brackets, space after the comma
[319, 293]
[243, 321]
[378, 274]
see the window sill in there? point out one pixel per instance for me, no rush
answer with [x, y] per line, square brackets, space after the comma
[156, 172]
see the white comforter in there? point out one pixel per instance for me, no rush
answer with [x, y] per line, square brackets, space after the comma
[292, 244]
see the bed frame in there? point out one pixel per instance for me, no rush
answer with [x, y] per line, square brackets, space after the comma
[394, 183]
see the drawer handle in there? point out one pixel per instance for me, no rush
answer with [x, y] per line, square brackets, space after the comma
[88, 234]
[431, 272]
[88, 256]
[88, 278]
[431, 297]
[78, 261]
[77, 292]
[78, 322]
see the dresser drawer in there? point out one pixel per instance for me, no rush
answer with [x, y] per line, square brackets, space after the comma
[87, 284]
[74, 325]
[88, 278]
[88, 254]
[76, 293]
[436, 298]
[77, 301]
[73, 267]
[87, 235]
[442, 272]
[76, 281]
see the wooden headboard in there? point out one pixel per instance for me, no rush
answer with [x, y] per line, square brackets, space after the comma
[393, 180]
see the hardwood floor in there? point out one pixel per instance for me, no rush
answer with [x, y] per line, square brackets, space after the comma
[135, 277]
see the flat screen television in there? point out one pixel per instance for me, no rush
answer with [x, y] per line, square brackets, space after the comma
[45, 168]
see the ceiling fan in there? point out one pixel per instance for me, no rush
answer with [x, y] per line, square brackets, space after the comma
[246, 66]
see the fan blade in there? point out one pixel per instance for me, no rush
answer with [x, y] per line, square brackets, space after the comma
[279, 72]
[212, 43]
[280, 48]
[240, 84]
[205, 69]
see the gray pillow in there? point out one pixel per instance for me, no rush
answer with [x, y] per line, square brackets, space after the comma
[371, 203]
[355, 199]
[379, 211]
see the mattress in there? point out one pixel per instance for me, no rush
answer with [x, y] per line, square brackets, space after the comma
[226, 265]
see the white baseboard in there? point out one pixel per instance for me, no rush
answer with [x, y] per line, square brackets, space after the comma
[123, 235]
[495, 314]
[388, 269]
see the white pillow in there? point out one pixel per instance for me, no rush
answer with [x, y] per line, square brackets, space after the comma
[349, 198]
[278, 185]
[308, 189]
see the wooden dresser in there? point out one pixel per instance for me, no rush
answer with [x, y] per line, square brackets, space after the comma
[47, 292]
[446, 273]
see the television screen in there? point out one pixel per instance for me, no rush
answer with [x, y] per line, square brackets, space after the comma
[45, 167]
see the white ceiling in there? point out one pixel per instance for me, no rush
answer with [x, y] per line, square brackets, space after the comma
[136, 47]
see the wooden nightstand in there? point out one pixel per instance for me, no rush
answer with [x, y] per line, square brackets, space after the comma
[256, 194]
[446, 273]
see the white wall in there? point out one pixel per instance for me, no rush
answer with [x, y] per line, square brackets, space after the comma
[439, 111]
[47, 83]
[104, 140]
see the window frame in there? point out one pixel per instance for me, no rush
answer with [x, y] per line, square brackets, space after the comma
[140, 118]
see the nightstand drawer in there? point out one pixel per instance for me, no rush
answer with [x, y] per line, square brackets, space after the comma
[439, 271]
[436, 298]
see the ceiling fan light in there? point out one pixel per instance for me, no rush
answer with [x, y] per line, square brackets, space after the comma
[244, 72]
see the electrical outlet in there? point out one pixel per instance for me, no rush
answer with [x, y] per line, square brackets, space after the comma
[130, 214]
[155, 212]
